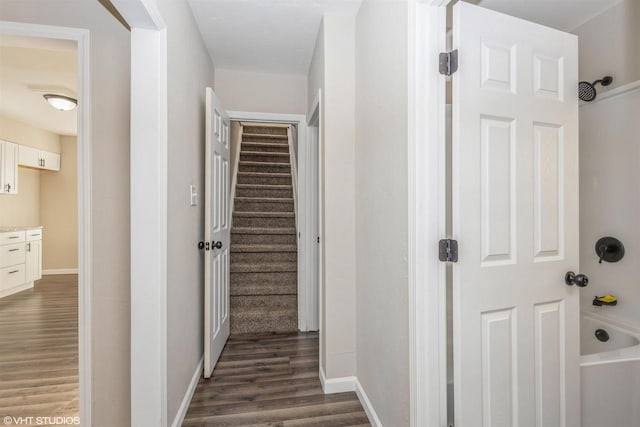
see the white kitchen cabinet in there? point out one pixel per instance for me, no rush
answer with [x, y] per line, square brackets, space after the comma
[8, 167]
[38, 159]
[33, 260]
[20, 259]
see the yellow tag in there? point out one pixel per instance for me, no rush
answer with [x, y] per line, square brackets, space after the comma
[608, 298]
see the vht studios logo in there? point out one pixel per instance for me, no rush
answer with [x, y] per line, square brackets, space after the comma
[40, 421]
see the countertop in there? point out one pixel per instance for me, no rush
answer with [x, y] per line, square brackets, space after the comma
[18, 228]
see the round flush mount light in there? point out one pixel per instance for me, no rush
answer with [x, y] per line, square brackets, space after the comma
[61, 102]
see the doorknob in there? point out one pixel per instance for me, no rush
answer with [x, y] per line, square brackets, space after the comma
[579, 280]
[216, 245]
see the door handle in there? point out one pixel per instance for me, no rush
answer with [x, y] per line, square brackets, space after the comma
[579, 280]
[216, 245]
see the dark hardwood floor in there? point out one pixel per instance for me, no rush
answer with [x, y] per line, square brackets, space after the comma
[39, 350]
[271, 380]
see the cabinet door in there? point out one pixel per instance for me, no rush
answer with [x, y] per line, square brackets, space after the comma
[50, 161]
[29, 156]
[9, 168]
[33, 261]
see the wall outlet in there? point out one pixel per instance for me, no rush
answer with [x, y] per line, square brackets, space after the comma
[194, 195]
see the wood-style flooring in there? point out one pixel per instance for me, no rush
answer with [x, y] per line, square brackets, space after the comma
[39, 350]
[271, 380]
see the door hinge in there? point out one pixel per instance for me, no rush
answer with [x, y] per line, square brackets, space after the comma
[448, 250]
[449, 62]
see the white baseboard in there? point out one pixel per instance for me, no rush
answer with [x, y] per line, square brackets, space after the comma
[344, 384]
[186, 400]
[59, 271]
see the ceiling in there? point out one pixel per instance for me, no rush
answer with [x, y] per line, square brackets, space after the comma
[30, 67]
[272, 36]
[563, 15]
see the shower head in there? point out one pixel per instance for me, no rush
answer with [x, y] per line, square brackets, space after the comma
[587, 91]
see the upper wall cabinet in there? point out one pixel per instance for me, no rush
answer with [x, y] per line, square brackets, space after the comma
[8, 167]
[38, 159]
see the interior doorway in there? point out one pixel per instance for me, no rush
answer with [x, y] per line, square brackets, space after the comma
[45, 217]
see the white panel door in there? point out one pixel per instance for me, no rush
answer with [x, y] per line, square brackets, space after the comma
[515, 215]
[29, 156]
[33, 260]
[50, 161]
[9, 167]
[217, 233]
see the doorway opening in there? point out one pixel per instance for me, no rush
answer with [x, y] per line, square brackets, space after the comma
[44, 219]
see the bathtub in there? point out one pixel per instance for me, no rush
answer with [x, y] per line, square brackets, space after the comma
[610, 373]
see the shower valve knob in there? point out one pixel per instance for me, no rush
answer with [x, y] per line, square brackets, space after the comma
[579, 280]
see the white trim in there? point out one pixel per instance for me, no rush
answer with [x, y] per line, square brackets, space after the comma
[141, 14]
[427, 214]
[85, 243]
[347, 384]
[367, 405]
[149, 227]
[301, 121]
[294, 171]
[188, 395]
[336, 385]
[234, 179]
[56, 271]
[613, 93]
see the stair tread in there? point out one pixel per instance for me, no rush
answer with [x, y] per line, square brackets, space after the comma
[253, 214]
[265, 199]
[265, 267]
[264, 248]
[266, 186]
[264, 153]
[263, 230]
[265, 174]
[272, 164]
[265, 135]
[266, 144]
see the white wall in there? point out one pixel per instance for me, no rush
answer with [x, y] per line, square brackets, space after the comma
[610, 45]
[110, 59]
[382, 208]
[610, 201]
[333, 66]
[261, 92]
[190, 71]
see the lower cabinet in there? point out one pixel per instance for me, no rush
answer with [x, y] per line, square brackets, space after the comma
[20, 260]
[33, 260]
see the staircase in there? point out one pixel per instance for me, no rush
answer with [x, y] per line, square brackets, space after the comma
[264, 284]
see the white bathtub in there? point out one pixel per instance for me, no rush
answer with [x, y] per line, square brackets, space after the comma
[610, 373]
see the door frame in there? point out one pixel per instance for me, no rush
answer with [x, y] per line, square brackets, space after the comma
[427, 37]
[300, 120]
[84, 169]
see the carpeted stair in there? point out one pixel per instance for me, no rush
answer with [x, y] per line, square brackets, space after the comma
[264, 282]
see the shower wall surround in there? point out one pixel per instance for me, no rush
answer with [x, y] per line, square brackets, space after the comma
[610, 201]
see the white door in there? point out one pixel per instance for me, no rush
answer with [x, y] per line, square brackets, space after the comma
[9, 167]
[515, 215]
[50, 161]
[29, 156]
[217, 235]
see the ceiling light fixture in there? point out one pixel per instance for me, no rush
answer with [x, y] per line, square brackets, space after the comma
[61, 102]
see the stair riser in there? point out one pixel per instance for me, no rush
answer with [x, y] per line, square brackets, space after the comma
[244, 157]
[241, 221]
[266, 321]
[244, 289]
[267, 302]
[266, 168]
[246, 206]
[243, 179]
[282, 148]
[262, 257]
[264, 192]
[263, 239]
[264, 130]
[285, 278]
[273, 139]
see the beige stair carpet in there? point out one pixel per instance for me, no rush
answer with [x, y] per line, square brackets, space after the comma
[264, 277]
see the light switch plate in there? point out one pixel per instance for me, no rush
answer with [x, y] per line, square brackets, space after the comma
[194, 195]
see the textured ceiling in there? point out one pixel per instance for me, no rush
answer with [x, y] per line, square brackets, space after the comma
[28, 68]
[273, 36]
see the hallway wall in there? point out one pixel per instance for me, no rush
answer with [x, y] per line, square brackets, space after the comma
[110, 89]
[333, 70]
[190, 71]
[381, 205]
[261, 92]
